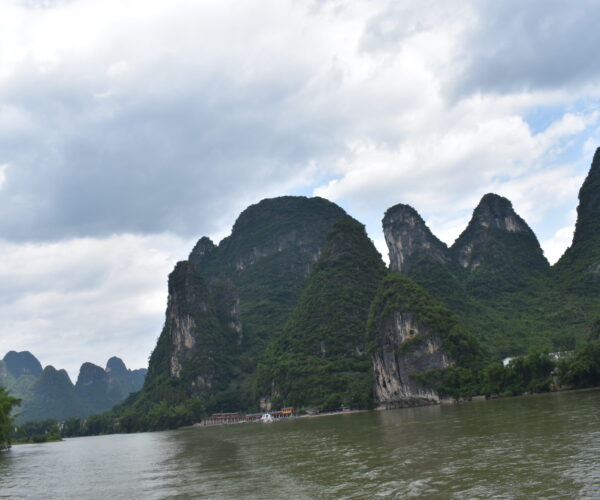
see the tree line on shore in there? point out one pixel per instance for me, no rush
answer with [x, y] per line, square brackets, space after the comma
[536, 372]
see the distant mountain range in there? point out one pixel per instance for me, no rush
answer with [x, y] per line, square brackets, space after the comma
[49, 393]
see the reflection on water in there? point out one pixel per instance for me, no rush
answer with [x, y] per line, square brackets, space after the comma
[540, 446]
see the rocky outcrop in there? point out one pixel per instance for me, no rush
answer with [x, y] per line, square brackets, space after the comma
[189, 315]
[406, 349]
[408, 238]
[226, 302]
[412, 334]
[203, 248]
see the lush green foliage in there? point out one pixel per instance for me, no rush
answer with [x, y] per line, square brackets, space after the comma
[524, 374]
[40, 431]
[321, 358]
[7, 404]
[399, 293]
[582, 369]
[579, 267]
[239, 295]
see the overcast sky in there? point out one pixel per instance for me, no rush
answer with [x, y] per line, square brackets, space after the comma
[130, 128]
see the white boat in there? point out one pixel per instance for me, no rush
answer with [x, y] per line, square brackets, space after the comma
[267, 418]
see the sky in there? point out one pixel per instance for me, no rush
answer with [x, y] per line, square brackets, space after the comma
[131, 128]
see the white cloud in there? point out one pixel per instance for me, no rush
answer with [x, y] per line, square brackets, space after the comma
[3, 174]
[123, 121]
[86, 299]
[555, 246]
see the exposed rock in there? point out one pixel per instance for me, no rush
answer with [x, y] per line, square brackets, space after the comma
[493, 217]
[412, 334]
[203, 248]
[407, 348]
[192, 329]
[228, 301]
[408, 237]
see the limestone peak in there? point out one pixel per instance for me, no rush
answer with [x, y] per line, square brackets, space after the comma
[407, 237]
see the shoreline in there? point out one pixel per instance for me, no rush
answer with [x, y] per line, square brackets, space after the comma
[443, 401]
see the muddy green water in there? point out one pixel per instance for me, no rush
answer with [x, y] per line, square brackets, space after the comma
[544, 446]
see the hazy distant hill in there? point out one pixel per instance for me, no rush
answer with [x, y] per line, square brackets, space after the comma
[50, 393]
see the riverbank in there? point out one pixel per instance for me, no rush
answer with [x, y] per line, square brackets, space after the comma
[239, 421]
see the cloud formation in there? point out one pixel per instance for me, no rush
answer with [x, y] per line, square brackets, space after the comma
[131, 126]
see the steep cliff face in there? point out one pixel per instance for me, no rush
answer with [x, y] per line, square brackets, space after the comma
[579, 267]
[202, 249]
[192, 335]
[227, 302]
[411, 333]
[406, 349]
[408, 238]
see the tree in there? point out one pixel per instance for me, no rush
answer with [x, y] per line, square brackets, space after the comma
[7, 403]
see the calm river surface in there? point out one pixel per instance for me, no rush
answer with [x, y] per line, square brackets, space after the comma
[543, 446]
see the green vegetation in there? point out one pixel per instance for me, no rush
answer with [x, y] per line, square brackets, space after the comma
[511, 301]
[321, 360]
[289, 307]
[41, 431]
[49, 393]
[236, 296]
[399, 293]
[579, 267]
[7, 403]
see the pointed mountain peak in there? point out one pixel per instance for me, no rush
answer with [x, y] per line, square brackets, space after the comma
[497, 236]
[589, 194]
[89, 373]
[580, 264]
[204, 247]
[115, 365]
[495, 211]
[408, 237]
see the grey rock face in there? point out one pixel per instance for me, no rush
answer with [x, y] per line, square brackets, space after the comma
[496, 211]
[192, 326]
[405, 349]
[408, 237]
[204, 247]
[496, 233]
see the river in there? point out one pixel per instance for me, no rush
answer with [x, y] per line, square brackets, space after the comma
[541, 446]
